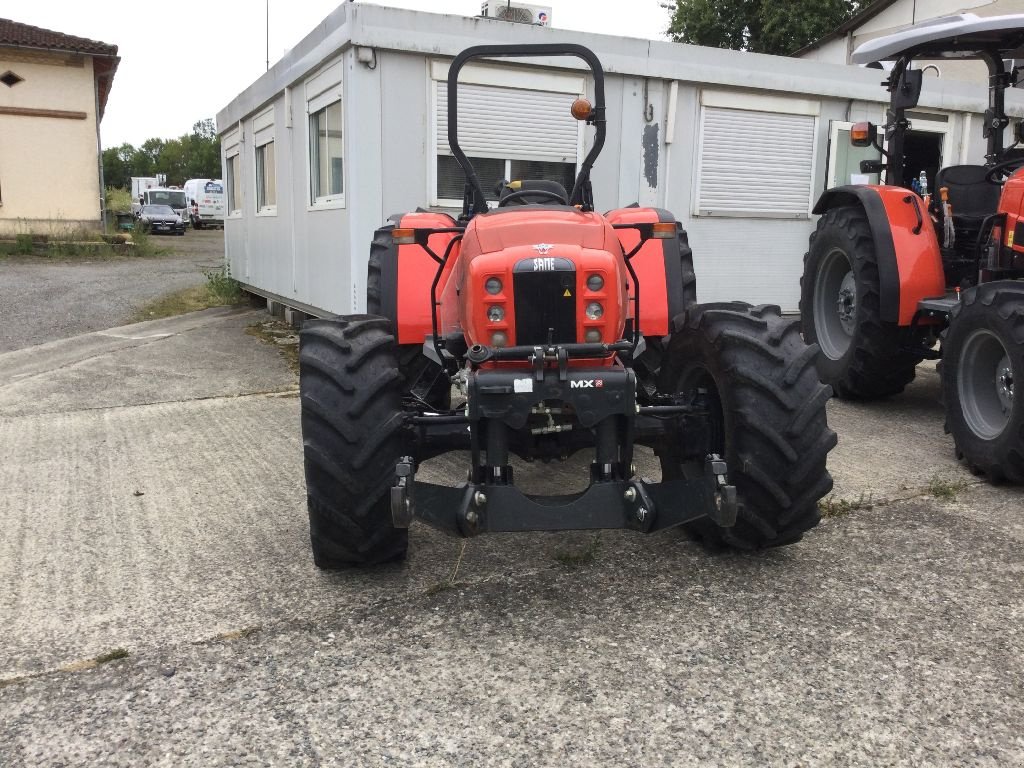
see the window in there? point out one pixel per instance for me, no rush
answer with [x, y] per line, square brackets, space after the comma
[508, 131]
[326, 164]
[266, 178]
[844, 159]
[756, 156]
[233, 180]
[10, 79]
[264, 163]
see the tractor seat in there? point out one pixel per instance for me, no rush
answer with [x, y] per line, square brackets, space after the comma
[527, 185]
[971, 197]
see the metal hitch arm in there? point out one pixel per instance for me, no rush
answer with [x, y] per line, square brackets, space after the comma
[636, 504]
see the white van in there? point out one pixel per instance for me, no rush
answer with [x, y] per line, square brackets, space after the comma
[171, 196]
[206, 202]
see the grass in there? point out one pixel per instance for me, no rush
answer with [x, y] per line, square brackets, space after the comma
[114, 655]
[222, 286]
[945, 489]
[449, 583]
[833, 507]
[237, 634]
[66, 244]
[574, 558]
[220, 290]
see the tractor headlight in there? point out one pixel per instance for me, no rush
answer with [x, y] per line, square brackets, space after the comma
[493, 286]
[594, 310]
[592, 336]
[595, 283]
[499, 339]
[495, 313]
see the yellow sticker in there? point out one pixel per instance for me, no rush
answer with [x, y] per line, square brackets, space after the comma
[1009, 238]
[567, 294]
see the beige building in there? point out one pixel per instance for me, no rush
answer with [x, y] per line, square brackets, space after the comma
[883, 17]
[53, 89]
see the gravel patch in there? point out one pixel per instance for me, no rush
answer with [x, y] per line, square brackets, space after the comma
[44, 299]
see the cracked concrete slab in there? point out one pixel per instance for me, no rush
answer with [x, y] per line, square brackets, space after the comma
[153, 502]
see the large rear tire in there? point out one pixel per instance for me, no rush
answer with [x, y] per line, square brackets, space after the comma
[982, 368]
[840, 309]
[352, 437]
[766, 418]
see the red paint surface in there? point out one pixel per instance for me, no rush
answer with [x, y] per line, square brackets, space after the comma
[416, 272]
[649, 265]
[917, 255]
[1012, 202]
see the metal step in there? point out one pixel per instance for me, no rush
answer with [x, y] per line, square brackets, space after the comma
[938, 307]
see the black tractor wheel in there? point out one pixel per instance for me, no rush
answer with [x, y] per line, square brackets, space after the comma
[423, 379]
[982, 365]
[352, 437]
[840, 309]
[766, 412]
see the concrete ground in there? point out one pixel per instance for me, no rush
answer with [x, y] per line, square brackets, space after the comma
[153, 508]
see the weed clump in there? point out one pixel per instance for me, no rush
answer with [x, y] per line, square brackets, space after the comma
[946, 490]
[23, 245]
[833, 507]
[222, 287]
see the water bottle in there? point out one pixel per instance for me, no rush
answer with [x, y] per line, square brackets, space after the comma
[922, 183]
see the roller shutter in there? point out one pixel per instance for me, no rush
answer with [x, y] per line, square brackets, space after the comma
[510, 123]
[755, 163]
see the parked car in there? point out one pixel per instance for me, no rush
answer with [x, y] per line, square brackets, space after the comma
[161, 218]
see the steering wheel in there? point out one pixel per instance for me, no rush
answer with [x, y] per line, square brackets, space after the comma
[524, 193]
[999, 172]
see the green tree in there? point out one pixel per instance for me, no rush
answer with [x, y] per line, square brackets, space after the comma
[194, 155]
[760, 26]
[117, 165]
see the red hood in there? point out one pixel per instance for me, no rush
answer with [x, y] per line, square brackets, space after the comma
[529, 226]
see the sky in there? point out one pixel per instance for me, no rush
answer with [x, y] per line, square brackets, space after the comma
[184, 61]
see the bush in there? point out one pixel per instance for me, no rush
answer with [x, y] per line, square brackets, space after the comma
[119, 200]
[222, 286]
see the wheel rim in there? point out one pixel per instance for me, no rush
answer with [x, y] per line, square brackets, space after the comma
[835, 304]
[985, 383]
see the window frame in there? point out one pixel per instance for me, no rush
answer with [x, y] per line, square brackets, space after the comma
[516, 78]
[231, 147]
[233, 182]
[260, 173]
[263, 134]
[320, 102]
[753, 103]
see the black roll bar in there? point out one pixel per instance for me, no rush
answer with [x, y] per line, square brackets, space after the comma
[474, 201]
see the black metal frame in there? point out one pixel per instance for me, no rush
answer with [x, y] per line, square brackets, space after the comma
[474, 200]
[897, 125]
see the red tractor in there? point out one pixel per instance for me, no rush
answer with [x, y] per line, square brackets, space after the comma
[891, 271]
[560, 330]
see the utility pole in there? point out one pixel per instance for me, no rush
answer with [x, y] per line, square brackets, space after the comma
[268, 35]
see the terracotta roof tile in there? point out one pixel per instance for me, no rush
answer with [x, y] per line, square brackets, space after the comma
[13, 33]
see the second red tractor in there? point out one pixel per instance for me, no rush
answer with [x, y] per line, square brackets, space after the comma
[890, 272]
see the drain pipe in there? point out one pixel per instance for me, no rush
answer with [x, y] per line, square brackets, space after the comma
[670, 136]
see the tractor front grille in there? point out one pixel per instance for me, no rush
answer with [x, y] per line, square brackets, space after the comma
[545, 297]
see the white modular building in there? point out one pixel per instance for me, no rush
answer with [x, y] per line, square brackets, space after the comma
[350, 127]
